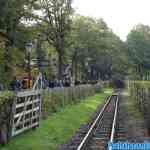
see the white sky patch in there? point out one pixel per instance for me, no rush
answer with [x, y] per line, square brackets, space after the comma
[120, 15]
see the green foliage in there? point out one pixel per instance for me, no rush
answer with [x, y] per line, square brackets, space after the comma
[138, 50]
[138, 44]
[75, 39]
[56, 25]
[14, 14]
[6, 102]
[91, 38]
[5, 97]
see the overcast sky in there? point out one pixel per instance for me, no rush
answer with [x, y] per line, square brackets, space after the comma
[120, 15]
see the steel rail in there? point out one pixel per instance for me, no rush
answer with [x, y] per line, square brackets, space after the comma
[114, 122]
[82, 144]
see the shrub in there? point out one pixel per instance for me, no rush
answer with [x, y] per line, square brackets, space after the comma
[6, 102]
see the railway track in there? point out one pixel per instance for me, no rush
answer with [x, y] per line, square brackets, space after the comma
[107, 127]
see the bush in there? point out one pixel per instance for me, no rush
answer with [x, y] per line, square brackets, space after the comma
[6, 102]
[6, 97]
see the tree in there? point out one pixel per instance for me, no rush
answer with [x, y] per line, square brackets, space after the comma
[13, 14]
[85, 40]
[139, 49]
[56, 21]
[93, 49]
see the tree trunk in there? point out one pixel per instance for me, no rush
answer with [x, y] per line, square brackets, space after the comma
[76, 71]
[73, 70]
[7, 64]
[39, 54]
[7, 56]
[60, 65]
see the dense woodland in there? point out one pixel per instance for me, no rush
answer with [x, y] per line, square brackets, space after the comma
[61, 38]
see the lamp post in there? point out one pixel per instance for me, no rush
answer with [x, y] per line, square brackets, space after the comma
[28, 47]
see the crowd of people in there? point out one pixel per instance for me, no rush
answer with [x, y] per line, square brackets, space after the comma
[17, 85]
[56, 83]
[22, 84]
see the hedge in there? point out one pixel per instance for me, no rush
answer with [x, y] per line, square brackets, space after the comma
[6, 102]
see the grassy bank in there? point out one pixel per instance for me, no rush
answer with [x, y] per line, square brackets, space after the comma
[59, 127]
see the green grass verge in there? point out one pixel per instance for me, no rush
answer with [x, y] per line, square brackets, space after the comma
[59, 127]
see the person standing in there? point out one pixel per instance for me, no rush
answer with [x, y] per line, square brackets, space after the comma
[15, 85]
